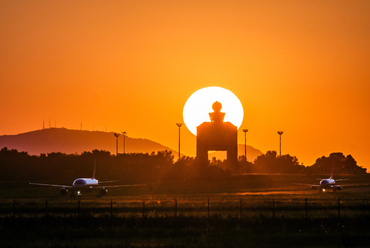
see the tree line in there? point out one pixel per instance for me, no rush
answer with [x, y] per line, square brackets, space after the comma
[154, 167]
[337, 163]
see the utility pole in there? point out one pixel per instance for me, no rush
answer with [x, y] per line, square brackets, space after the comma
[124, 141]
[116, 134]
[280, 133]
[179, 125]
[245, 143]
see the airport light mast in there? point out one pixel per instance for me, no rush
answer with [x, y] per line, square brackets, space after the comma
[124, 141]
[116, 134]
[179, 125]
[280, 133]
[245, 143]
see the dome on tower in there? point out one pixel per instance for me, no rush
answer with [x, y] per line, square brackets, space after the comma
[217, 106]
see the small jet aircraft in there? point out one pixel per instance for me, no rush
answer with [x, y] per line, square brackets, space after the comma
[326, 184]
[329, 183]
[86, 184]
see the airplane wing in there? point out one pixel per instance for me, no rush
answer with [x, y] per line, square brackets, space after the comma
[101, 182]
[117, 186]
[306, 184]
[336, 186]
[52, 185]
[354, 185]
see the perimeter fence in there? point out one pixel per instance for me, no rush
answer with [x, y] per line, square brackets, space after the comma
[206, 208]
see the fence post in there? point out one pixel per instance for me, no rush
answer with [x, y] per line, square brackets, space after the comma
[143, 209]
[241, 209]
[78, 208]
[305, 209]
[338, 208]
[175, 208]
[46, 207]
[208, 209]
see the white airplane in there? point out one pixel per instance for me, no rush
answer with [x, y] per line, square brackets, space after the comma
[86, 184]
[326, 184]
[329, 183]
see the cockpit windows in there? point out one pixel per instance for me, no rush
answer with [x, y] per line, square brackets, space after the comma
[79, 182]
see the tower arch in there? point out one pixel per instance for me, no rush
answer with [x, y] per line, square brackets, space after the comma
[217, 135]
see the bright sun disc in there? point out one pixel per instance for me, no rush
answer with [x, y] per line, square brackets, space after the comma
[199, 105]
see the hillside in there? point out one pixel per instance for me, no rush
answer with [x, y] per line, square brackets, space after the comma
[76, 141]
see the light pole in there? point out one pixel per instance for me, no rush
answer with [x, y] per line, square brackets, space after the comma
[280, 133]
[124, 141]
[116, 134]
[245, 143]
[179, 125]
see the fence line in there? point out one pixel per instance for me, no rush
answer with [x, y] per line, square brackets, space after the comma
[216, 208]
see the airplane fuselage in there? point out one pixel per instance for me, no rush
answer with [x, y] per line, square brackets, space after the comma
[329, 184]
[83, 182]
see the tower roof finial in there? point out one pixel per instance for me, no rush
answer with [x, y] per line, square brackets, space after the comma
[217, 115]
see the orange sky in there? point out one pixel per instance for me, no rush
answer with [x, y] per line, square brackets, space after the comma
[297, 66]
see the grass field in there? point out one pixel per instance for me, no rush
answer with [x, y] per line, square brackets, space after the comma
[250, 211]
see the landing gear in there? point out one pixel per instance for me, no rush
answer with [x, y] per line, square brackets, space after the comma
[63, 191]
[72, 193]
[102, 192]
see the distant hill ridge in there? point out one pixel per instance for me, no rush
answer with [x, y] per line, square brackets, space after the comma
[76, 141]
[71, 141]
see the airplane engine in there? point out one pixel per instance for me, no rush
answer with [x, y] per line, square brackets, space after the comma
[102, 192]
[63, 191]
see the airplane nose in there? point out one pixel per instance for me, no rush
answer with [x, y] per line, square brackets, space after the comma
[79, 183]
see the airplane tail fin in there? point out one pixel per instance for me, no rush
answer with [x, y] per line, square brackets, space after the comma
[331, 175]
[93, 175]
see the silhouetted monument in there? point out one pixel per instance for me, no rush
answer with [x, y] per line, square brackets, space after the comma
[217, 135]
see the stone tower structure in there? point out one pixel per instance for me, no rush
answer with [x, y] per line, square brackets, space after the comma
[217, 135]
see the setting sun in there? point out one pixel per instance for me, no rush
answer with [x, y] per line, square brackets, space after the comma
[200, 118]
[199, 105]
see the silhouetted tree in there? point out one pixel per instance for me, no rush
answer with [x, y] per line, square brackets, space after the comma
[271, 163]
[140, 167]
[337, 162]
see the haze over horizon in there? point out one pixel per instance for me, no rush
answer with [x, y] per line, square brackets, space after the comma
[301, 67]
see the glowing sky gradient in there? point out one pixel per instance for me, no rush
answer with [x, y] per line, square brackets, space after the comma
[297, 66]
